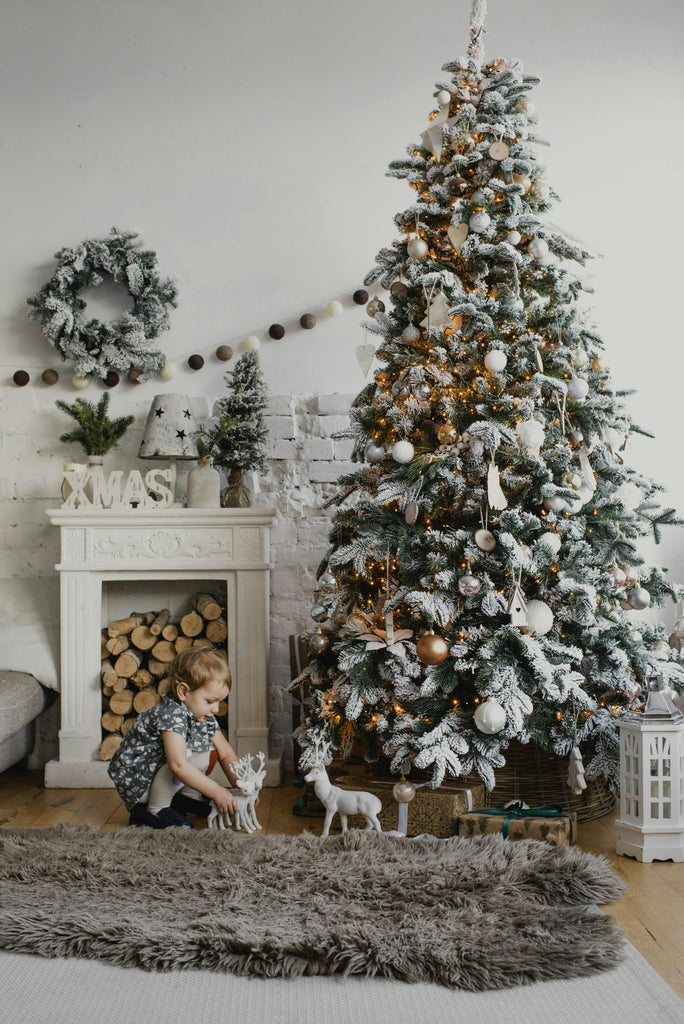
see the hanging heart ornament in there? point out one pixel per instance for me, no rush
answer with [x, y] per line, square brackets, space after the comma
[457, 234]
[365, 355]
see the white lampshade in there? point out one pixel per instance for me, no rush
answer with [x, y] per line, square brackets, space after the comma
[170, 429]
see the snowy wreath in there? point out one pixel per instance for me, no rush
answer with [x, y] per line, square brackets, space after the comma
[123, 344]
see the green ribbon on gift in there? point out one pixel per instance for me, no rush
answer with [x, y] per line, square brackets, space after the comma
[510, 813]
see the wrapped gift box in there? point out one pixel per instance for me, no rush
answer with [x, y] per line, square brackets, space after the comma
[434, 811]
[546, 823]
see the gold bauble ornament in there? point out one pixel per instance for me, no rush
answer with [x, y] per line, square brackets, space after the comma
[597, 364]
[432, 649]
[447, 434]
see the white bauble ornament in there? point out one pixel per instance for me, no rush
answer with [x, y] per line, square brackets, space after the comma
[555, 503]
[490, 717]
[410, 334]
[443, 97]
[79, 382]
[334, 308]
[251, 343]
[578, 389]
[417, 248]
[530, 433]
[635, 636]
[403, 791]
[551, 540]
[496, 360]
[539, 617]
[639, 598]
[513, 237]
[579, 358]
[574, 504]
[479, 221]
[403, 452]
[539, 248]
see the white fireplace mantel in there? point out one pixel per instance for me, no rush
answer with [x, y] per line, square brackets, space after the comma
[172, 544]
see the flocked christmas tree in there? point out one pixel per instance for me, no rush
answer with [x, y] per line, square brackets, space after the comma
[237, 439]
[484, 572]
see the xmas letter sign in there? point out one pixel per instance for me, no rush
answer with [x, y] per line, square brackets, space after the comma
[95, 490]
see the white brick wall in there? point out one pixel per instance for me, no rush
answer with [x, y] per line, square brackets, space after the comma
[305, 461]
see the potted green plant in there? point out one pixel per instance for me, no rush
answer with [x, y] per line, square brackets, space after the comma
[96, 432]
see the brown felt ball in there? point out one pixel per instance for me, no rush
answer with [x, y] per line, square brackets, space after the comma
[224, 353]
[195, 362]
[276, 331]
[360, 297]
[50, 376]
[112, 378]
[21, 378]
[134, 375]
[307, 321]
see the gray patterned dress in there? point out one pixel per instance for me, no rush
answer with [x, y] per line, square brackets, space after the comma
[141, 753]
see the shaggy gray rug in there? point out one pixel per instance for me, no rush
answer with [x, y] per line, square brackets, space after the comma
[474, 914]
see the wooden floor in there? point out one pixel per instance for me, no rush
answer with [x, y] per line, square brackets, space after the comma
[651, 914]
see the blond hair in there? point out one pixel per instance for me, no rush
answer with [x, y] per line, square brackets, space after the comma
[197, 666]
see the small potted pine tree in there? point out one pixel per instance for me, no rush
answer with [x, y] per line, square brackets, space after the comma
[96, 432]
[237, 438]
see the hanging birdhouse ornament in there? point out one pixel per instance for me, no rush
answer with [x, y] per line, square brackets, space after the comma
[517, 607]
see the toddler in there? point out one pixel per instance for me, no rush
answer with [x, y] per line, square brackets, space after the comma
[171, 745]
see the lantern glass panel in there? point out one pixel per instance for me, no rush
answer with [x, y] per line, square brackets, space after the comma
[666, 809]
[666, 789]
[655, 789]
[636, 787]
[666, 766]
[654, 810]
[654, 766]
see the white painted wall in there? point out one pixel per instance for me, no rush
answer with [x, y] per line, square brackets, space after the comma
[248, 144]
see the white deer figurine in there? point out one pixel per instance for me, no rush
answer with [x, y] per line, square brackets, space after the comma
[249, 782]
[343, 801]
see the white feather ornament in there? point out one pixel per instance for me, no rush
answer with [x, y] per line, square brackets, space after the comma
[588, 475]
[576, 780]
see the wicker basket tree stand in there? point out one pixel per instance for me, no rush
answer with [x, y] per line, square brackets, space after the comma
[539, 778]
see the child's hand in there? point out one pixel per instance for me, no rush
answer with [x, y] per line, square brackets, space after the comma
[225, 803]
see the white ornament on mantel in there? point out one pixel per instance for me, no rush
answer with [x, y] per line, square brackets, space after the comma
[93, 489]
[651, 822]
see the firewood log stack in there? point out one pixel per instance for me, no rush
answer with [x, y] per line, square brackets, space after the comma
[137, 653]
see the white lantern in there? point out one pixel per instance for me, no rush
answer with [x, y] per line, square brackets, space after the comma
[651, 822]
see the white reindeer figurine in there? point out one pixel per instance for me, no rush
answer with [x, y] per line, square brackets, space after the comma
[249, 782]
[343, 801]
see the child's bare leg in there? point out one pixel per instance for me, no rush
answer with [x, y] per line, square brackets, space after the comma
[165, 786]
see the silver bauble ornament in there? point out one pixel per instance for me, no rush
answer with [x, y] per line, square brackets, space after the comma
[374, 452]
[639, 598]
[327, 583]
[469, 585]
[417, 248]
[490, 717]
[422, 391]
[403, 791]
[319, 613]
[318, 643]
[410, 334]
[661, 649]
[375, 306]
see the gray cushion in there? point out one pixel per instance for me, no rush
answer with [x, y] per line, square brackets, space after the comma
[21, 699]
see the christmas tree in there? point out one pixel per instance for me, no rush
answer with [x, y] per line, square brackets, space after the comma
[236, 440]
[484, 565]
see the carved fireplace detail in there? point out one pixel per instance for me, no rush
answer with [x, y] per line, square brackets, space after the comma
[135, 547]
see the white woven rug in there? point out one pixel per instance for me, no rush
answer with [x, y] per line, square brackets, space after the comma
[37, 991]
